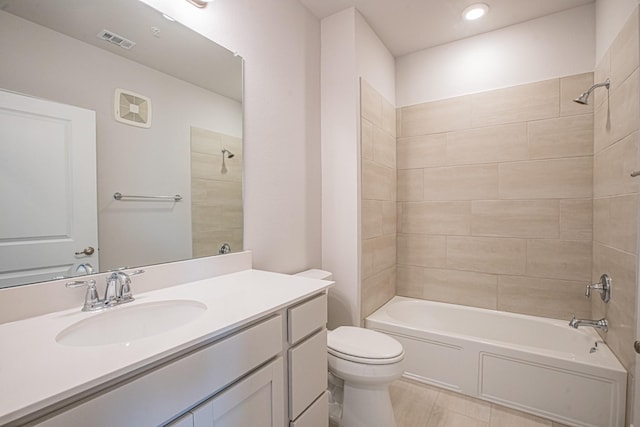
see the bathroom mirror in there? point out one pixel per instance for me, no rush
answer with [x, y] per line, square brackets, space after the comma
[167, 104]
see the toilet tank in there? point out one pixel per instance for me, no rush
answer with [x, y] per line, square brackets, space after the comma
[316, 274]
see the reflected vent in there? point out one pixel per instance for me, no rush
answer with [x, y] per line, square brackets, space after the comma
[112, 37]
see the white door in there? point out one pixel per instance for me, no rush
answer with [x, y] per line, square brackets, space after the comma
[47, 188]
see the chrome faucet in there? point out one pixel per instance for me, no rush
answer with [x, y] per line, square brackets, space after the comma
[598, 324]
[118, 291]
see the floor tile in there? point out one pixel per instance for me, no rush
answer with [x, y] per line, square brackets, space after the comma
[443, 417]
[412, 403]
[505, 417]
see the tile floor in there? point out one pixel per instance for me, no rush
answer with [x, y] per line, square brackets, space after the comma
[420, 405]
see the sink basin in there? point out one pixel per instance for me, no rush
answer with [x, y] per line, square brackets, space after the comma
[125, 324]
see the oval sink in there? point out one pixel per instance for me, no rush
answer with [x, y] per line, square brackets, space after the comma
[125, 324]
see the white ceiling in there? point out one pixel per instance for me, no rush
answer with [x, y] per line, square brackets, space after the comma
[407, 26]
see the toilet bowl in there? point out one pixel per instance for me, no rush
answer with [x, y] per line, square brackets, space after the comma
[367, 362]
[362, 363]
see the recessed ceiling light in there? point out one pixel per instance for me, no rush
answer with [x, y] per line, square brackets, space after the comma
[475, 11]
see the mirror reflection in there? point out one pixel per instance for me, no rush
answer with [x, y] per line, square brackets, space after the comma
[99, 98]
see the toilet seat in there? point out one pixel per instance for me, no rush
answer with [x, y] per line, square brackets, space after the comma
[364, 346]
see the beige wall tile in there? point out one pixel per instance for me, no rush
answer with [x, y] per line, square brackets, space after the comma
[521, 218]
[602, 127]
[378, 182]
[371, 216]
[460, 287]
[562, 137]
[206, 192]
[487, 145]
[559, 299]
[625, 108]
[410, 185]
[613, 166]
[547, 179]
[461, 182]
[388, 118]
[399, 216]
[366, 138]
[370, 103]
[389, 217]
[616, 222]
[366, 261]
[421, 250]
[486, 254]
[533, 101]
[422, 151]
[437, 116]
[205, 218]
[377, 290]
[384, 148]
[576, 219]
[620, 311]
[559, 259]
[204, 141]
[625, 50]
[570, 88]
[410, 281]
[384, 252]
[442, 218]
[602, 72]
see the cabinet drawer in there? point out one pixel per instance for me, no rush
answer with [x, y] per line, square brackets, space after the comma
[307, 372]
[306, 318]
[316, 415]
[153, 398]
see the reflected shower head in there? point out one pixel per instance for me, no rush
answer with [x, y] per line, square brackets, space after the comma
[229, 153]
[584, 98]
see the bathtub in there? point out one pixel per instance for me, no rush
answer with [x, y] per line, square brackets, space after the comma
[533, 364]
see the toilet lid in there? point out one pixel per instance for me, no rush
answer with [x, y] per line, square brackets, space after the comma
[364, 345]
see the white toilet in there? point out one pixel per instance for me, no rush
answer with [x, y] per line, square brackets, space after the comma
[364, 362]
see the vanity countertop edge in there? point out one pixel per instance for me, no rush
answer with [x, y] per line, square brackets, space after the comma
[37, 372]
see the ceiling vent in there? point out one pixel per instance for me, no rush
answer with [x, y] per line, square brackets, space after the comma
[112, 37]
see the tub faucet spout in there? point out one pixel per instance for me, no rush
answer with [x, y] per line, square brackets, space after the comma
[598, 324]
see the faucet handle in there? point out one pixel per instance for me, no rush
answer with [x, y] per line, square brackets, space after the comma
[603, 287]
[91, 298]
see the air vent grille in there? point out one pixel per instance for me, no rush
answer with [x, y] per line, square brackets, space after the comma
[114, 38]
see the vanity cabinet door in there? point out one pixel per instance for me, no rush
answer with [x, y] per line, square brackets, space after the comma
[256, 401]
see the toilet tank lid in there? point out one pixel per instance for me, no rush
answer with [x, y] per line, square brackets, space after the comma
[314, 273]
[363, 343]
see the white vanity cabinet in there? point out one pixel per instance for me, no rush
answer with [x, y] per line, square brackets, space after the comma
[255, 401]
[307, 363]
[270, 373]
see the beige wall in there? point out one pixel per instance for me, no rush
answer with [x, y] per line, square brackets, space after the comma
[615, 198]
[378, 207]
[495, 199]
[216, 197]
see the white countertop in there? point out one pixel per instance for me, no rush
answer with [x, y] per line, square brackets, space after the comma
[36, 371]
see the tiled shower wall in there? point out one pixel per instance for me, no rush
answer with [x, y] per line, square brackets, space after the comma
[378, 199]
[615, 199]
[216, 197]
[495, 199]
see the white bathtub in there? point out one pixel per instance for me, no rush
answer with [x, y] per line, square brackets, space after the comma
[533, 364]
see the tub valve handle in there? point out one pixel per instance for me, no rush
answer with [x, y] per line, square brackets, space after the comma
[603, 287]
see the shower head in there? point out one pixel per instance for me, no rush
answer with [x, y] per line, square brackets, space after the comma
[584, 98]
[229, 153]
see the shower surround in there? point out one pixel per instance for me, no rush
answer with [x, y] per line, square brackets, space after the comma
[495, 199]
